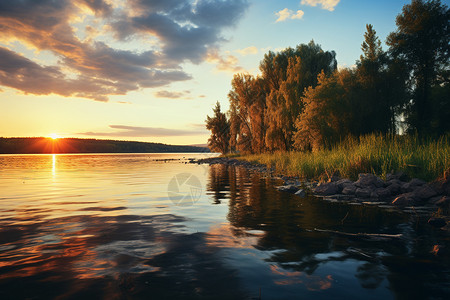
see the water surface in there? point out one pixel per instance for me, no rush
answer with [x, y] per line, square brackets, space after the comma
[124, 226]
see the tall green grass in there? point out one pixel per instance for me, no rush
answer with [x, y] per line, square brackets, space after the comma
[377, 154]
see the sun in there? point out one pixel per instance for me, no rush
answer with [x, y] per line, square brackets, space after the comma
[54, 136]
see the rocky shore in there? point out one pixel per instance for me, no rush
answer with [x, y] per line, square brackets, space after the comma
[397, 191]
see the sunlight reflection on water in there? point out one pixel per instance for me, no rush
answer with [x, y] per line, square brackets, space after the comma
[104, 226]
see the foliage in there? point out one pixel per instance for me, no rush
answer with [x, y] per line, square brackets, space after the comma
[421, 41]
[41, 145]
[301, 101]
[424, 158]
[220, 131]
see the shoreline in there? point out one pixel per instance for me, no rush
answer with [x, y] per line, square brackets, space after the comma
[396, 192]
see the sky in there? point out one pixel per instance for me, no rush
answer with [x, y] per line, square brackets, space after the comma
[151, 70]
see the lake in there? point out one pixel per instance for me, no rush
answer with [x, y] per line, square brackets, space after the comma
[135, 226]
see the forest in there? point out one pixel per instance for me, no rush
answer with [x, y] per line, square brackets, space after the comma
[42, 145]
[301, 101]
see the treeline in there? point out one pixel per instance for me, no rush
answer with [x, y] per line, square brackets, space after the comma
[41, 145]
[301, 101]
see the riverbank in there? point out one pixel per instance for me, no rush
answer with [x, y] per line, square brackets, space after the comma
[396, 191]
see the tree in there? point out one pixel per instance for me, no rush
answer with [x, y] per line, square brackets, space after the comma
[330, 113]
[375, 107]
[247, 109]
[288, 74]
[219, 126]
[422, 42]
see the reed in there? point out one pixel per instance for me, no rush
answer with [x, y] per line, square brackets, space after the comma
[427, 159]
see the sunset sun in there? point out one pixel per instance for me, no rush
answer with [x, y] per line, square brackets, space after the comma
[54, 136]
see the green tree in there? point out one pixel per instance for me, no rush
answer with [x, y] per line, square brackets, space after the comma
[375, 107]
[219, 126]
[422, 42]
[329, 114]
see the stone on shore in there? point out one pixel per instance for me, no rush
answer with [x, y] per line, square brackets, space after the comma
[290, 188]
[367, 180]
[301, 193]
[363, 192]
[407, 199]
[412, 185]
[425, 192]
[327, 189]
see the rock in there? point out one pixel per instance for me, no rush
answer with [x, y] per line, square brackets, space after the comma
[301, 193]
[326, 189]
[363, 192]
[437, 222]
[288, 188]
[442, 186]
[394, 188]
[444, 202]
[381, 193]
[369, 180]
[343, 183]
[349, 189]
[412, 185]
[425, 192]
[397, 176]
[406, 199]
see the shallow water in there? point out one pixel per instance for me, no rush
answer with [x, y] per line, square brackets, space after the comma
[130, 226]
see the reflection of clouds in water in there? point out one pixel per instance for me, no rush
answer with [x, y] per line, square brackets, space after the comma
[226, 236]
[312, 282]
[113, 257]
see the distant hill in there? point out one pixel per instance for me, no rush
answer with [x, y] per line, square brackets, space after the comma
[41, 145]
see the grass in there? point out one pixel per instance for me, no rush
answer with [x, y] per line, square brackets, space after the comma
[377, 154]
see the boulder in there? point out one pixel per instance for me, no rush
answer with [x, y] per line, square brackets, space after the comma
[394, 188]
[363, 192]
[425, 192]
[444, 202]
[412, 185]
[369, 180]
[343, 183]
[301, 193]
[407, 199]
[326, 189]
[381, 193]
[349, 189]
[290, 188]
[397, 176]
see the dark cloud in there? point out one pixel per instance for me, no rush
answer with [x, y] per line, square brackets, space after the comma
[134, 131]
[186, 31]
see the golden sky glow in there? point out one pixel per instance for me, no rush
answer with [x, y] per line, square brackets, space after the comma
[152, 70]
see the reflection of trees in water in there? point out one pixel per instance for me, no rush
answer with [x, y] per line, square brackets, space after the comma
[288, 224]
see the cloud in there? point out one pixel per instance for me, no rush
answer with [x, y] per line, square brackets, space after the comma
[135, 131]
[287, 14]
[183, 31]
[248, 50]
[228, 63]
[325, 4]
[172, 95]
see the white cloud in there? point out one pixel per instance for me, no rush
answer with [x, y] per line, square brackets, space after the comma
[325, 4]
[287, 14]
[248, 50]
[227, 63]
